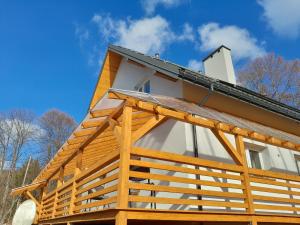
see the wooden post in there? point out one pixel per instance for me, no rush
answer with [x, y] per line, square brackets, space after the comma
[121, 218]
[241, 150]
[60, 181]
[77, 171]
[43, 193]
[125, 148]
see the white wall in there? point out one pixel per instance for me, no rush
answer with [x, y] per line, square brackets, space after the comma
[177, 137]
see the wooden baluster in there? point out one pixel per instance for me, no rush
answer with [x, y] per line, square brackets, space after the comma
[241, 149]
[60, 181]
[77, 171]
[123, 181]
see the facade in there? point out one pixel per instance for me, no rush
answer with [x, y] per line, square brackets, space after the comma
[163, 143]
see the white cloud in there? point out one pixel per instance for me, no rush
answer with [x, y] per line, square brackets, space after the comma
[147, 35]
[242, 44]
[187, 34]
[82, 34]
[149, 6]
[282, 16]
[195, 65]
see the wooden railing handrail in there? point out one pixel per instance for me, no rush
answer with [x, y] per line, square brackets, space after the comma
[272, 174]
[177, 158]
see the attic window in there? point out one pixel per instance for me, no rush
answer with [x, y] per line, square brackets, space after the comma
[145, 87]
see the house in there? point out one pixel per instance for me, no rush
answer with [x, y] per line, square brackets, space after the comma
[161, 143]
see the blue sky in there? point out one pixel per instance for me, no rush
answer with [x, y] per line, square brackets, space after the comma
[51, 51]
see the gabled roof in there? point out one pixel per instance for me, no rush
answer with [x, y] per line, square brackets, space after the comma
[235, 91]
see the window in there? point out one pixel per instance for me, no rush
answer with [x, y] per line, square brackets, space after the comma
[297, 159]
[145, 87]
[255, 159]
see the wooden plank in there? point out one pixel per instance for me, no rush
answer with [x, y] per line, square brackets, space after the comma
[161, 177]
[273, 182]
[192, 191]
[102, 163]
[92, 123]
[100, 173]
[84, 132]
[185, 170]
[276, 207]
[123, 189]
[177, 201]
[98, 193]
[276, 199]
[177, 158]
[98, 183]
[274, 190]
[101, 112]
[97, 203]
[30, 187]
[192, 216]
[277, 175]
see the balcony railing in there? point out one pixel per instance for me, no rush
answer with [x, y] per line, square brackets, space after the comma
[168, 181]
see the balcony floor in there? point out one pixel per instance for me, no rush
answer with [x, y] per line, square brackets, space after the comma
[145, 217]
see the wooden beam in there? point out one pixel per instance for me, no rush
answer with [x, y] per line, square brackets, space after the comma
[77, 171]
[246, 181]
[100, 129]
[149, 125]
[29, 195]
[91, 123]
[121, 218]
[30, 187]
[208, 123]
[126, 144]
[101, 112]
[228, 146]
[58, 185]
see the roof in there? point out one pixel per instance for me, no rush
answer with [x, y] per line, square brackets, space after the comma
[96, 137]
[198, 78]
[208, 113]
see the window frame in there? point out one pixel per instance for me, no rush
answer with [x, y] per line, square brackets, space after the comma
[259, 158]
[142, 86]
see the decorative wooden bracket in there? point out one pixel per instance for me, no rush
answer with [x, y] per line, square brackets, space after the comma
[149, 125]
[228, 146]
[29, 195]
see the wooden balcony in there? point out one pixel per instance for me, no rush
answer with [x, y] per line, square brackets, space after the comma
[135, 185]
[174, 185]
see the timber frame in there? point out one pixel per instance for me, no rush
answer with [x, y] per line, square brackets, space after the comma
[103, 152]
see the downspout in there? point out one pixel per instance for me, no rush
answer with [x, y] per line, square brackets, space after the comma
[195, 140]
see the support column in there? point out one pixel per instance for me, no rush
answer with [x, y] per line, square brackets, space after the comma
[42, 196]
[60, 180]
[77, 171]
[241, 150]
[121, 218]
[125, 148]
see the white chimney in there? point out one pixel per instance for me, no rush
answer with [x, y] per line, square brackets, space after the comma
[219, 65]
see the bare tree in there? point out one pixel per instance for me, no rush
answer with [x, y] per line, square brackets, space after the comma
[57, 127]
[17, 129]
[274, 77]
